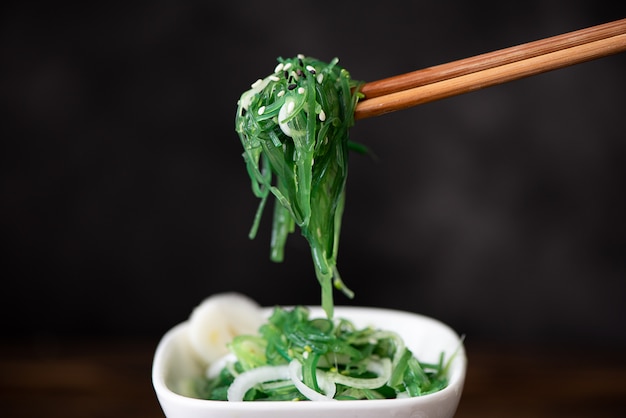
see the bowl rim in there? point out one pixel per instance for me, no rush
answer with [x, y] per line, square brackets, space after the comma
[453, 389]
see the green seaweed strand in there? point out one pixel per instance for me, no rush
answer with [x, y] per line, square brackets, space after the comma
[293, 126]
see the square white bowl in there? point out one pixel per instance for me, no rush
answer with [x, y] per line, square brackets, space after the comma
[174, 362]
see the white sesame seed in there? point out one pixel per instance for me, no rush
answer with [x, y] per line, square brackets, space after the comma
[300, 56]
[279, 67]
[290, 107]
[261, 110]
[310, 68]
[287, 66]
[301, 90]
[274, 78]
[320, 78]
[281, 93]
[256, 83]
[322, 116]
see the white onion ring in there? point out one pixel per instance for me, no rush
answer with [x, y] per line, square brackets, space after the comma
[295, 373]
[382, 368]
[216, 367]
[248, 379]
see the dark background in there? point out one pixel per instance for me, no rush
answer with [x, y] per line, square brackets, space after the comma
[125, 201]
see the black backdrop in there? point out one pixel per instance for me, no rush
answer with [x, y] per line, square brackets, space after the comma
[125, 200]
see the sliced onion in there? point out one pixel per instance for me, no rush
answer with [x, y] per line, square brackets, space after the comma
[285, 111]
[216, 367]
[397, 339]
[295, 373]
[326, 384]
[382, 368]
[247, 380]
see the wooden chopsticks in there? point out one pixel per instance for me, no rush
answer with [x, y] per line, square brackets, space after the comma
[485, 70]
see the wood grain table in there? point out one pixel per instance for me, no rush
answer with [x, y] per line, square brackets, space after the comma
[111, 378]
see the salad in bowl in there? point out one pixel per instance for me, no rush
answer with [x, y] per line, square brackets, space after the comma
[234, 358]
[366, 362]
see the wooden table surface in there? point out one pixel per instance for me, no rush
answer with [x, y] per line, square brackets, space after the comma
[111, 378]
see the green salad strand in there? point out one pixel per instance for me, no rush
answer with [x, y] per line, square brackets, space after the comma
[293, 125]
[333, 358]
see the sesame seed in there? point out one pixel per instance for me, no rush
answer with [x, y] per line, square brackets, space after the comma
[256, 83]
[320, 78]
[291, 86]
[261, 110]
[300, 62]
[274, 78]
[322, 115]
[301, 56]
[287, 66]
[290, 107]
[310, 69]
[301, 90]
[278, 68]
[281, 93]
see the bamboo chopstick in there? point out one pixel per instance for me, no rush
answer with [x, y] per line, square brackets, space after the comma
[485, 70]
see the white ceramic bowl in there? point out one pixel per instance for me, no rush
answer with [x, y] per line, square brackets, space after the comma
[426, 337]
